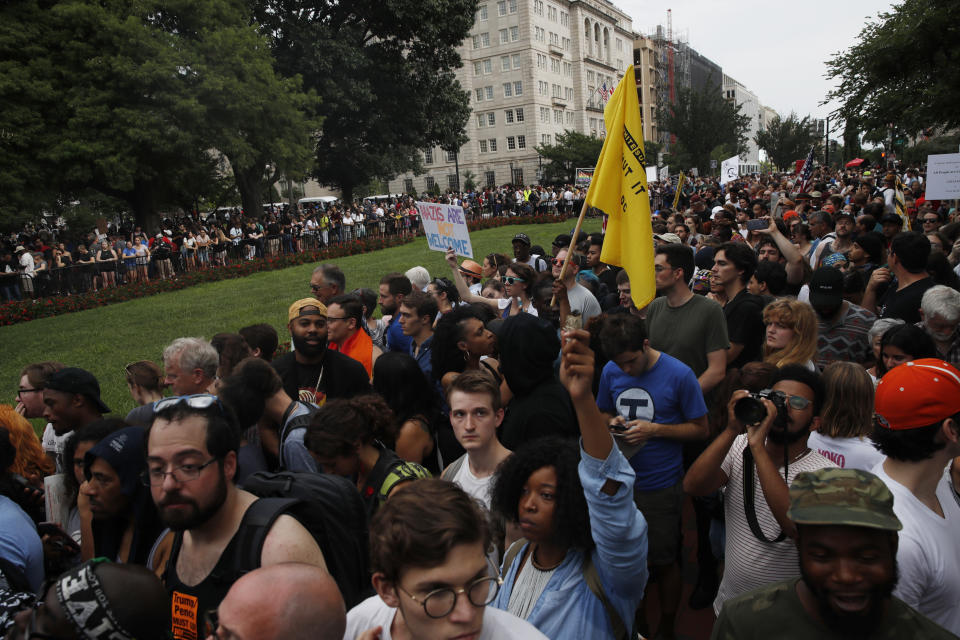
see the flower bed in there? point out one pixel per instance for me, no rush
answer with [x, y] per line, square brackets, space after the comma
[504, 221]
[26, 310]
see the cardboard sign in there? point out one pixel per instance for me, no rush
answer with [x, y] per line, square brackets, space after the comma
[943, 176]
[729, 170]
[445, 227]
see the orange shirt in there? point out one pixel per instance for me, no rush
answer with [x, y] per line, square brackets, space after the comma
[359, 346]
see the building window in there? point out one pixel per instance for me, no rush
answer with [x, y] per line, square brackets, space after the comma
[511, 142]
[485, 39]
[518, 175]
[488, 66]
[508, 116]
[502, 8]
[516, 61]
[482, 12]
[428, 156]
[491, 178]
[554, 65]
[489, 92]
[569, 117]
[493, 144]
[452, 181]
[481, 120]
[518, 88]
[504, 36]
[538, 7]
[450, 156]
[483, 146]
[479, 94]
[519, 114]
[512, 4]
[521, 142]
[566, 44]
[476, 41]
[504, 63]
[507, 90]
[541, 61]
[568, 93]
[543, 87]
[555, 88]
[565, 18]
[557, 116]
[431, 183]
[552, 14]
[477, 68]
[619, 44]
[514, 34]
[544, 115]
[555, 38]
[539, 34]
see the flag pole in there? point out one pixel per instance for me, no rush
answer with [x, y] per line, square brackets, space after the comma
[573, 240]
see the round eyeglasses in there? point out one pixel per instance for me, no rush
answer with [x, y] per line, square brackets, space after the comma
[440, 602]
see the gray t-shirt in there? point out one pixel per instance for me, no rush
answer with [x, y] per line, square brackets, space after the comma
[583, 301]
[688, 332]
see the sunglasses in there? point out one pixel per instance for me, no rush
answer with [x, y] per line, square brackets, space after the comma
[196, 401]
[512, 279]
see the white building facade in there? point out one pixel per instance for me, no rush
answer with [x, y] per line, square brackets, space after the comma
[532, 68]
[750, 107]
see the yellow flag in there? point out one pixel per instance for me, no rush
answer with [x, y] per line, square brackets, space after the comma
[619, 189]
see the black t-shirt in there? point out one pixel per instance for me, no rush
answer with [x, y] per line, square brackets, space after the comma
[745, 326]
[338, 376]
[904, 304]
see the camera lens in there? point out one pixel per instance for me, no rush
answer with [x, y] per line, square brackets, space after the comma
[749, 410]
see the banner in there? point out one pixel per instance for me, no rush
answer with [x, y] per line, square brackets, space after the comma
[445, 226]
[651, 174]
[729, 170]
[664, 174]
[584, 175]
[943, 176]
[619, 189]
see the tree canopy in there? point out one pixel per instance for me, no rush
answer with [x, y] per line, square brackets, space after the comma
[904, 69]
[786, 140]
[572, 149]
[701, 122]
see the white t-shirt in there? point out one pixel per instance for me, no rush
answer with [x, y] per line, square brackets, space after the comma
[477, 488]
[503, 303]
[846, 453]
[52, 443]
[751, 563]
[497, 624]
[929, 553]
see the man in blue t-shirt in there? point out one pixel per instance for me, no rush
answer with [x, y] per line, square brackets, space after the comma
[655, 403]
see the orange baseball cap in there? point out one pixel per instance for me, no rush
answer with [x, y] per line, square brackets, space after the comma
[917, 394]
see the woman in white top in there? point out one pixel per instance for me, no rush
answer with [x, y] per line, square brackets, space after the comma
[347, 223]
[518, 286]
[846, 418]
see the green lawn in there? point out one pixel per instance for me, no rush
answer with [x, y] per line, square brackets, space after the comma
[104, 340]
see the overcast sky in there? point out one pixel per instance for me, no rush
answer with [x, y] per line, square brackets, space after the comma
[774, 48]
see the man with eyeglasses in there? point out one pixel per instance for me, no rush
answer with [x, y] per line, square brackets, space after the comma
[431, 573]
[191, 464]
[327, 281]
[573, 296]
[29, 404]
[750, 461]
[931, 221]
[345, 331]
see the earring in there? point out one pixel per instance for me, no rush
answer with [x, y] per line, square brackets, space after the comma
[466, 355]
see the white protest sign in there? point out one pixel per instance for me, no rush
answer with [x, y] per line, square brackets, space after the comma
[664, 173]
[651, 174]
[445, 226]
[943, 176]
[729, 170]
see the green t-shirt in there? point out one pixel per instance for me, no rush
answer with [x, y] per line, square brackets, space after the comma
[775, 611]
[688, 332]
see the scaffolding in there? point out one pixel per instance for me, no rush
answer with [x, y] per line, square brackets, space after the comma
[672, 72]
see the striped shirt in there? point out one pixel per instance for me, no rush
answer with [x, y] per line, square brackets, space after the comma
[751, 563]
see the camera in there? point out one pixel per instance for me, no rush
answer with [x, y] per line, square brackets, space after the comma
[750, 409]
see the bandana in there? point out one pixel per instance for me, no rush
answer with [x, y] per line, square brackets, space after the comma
[85, 604]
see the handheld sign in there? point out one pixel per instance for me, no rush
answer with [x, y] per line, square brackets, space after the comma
[729, 170]
[445, 227]
[943, 176]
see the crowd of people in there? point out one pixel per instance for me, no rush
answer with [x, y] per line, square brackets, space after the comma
[508, 449]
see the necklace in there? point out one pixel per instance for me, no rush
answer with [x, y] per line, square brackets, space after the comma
[536, 564]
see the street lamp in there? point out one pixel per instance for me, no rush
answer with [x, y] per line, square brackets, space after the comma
[511, 173]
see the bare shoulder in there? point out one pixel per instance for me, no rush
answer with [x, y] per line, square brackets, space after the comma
[289, 541]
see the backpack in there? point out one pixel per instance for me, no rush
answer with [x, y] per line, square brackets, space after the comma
[329, 507]
[300, 422]
[592, 578]
[451, 472]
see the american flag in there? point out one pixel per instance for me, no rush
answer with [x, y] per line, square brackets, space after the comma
[604, 91]
[806, 172]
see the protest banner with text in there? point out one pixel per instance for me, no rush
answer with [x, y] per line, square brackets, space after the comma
[445, 227]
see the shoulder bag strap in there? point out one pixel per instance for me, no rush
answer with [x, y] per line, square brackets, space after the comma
[749, 498]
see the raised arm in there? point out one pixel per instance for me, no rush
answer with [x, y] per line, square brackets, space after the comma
[465, 294]
[788, 250]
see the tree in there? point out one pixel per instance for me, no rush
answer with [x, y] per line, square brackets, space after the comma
[702, 121]
[367, 59]
[572, 149]
[904, 69]
[786, 139]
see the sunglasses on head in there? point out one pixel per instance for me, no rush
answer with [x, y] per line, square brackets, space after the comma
[195, 401]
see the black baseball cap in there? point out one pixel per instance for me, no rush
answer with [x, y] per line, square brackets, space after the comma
[522, 237]
[826, 287]
[76, 380]
[562, 240]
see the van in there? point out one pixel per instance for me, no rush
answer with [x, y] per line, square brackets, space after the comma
[322, 202]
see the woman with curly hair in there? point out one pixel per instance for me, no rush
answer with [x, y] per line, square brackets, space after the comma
[460, 340]
[581, 570]
[791, 333]
[31, 462]
[350, 436]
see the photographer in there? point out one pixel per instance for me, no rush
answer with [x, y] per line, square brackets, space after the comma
[755, 458]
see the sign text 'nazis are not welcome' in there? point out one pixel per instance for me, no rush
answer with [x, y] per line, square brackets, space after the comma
[445, 227]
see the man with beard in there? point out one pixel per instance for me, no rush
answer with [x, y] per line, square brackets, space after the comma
[191, 462]
[71, 399]
[847, 540]
[751, 461]
[117, 517]
[312, 373]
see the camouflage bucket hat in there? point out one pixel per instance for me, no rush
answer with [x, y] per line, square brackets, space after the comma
[845, 497]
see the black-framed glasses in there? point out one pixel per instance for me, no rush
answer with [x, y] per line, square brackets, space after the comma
[512, 279]
[23, 390]
[155, 476]
[440, 602]
[329, 318]
[930, 220]
[195, 401]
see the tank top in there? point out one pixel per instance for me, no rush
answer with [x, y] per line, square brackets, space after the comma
[189, 604]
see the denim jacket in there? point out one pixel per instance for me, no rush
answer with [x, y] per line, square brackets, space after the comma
[567, 609]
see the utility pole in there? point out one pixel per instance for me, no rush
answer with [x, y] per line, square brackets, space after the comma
[826, 146]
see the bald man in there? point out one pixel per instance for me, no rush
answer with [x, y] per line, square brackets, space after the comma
[304, 604]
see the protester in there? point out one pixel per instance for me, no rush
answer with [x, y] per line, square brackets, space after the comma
[940, 318]
[413, 399]
[918, 430]
[21, 551]
[907, 263]
[394, 287]
[345, 331]
[518, 284]
[72, 399]
[462, 342]
[145, 384]
[734, 263]
[572, 296]
[791, 336]
[29, 403]
[842, 327]
[327, 282]
[262, 340]
[190, 366]
[416, 315]
[904, 343]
